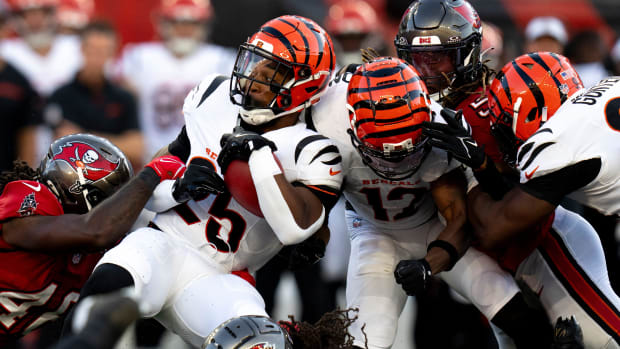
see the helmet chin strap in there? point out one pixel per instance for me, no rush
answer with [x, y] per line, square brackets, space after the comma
[83, 185]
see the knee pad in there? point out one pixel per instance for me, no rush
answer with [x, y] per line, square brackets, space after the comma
[105, 279]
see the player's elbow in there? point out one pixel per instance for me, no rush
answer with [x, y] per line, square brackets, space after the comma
[103, 238]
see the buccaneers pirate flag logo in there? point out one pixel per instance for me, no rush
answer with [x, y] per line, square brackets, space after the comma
[82, 155]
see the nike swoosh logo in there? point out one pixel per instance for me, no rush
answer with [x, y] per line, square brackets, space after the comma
[37, 188]
[529, 175]
[332, 172]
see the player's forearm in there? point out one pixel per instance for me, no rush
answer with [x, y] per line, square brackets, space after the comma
[111, 219]
[293, 213]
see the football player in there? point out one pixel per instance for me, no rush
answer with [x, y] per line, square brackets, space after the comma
[396, 186]
[162, 72]
[185, 268]
[51, 229]
[554, 251]
[443, 41]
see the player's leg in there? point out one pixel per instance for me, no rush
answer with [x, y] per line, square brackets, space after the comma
[371, 286]
[569, 273]
[495, 293]
[205, 302]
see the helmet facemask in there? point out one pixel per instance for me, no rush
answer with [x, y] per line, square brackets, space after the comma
[256, 68]
[444, 66]
[395, 161]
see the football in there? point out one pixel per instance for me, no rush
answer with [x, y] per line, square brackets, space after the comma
[239, 182]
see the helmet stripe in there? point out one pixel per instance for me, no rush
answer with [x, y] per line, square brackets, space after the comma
[319, 39]
[538, 59]
[375, 88]
[278, 35]
[303, 37]
[502, 79]
[394, 132]
[532, 85]
[358, 123]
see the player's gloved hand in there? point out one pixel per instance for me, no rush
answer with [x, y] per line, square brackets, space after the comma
[455, 138]
[167, 167]
[199, 180]
[567, 334]
[306, 253]
[239, 145]
[413, 275]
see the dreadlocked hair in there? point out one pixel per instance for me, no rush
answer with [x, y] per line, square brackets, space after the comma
[330, 332]
[20, 171]
[458, 93]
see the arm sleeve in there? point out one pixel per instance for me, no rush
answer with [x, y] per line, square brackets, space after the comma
[554, 186]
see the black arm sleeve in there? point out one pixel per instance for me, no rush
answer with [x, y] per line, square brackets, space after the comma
[553, 187]
[327, 195]
[180, 147]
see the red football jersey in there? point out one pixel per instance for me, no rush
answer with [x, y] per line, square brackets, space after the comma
[476, 112]
[35, 287]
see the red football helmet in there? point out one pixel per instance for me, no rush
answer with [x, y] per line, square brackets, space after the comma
[387, 104]
[185, 10]
[291, 56]
[525, 94]
[75, 14]
[83, 169]
[351, 17]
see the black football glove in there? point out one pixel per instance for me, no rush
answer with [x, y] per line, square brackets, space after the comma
[567, 334]
[455, 138]
[413, 275]
[306, 253]
[239, 145]
[198, 181]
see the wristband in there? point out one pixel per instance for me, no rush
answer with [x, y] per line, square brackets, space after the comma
[448, 247]
[492, 182]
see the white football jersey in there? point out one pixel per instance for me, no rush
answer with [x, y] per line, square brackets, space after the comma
[576, 152]
[387, 204]
[45, 73]
[162, 81]
[218, 225]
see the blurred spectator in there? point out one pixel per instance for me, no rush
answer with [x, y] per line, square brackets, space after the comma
[18, 107]
[74, 15]
[91, 103]
[46, 59]
[615, 57]
[492, 46]
[163, 72]
[235, 21]
[353, 25]
[545, 34]
[587, 52]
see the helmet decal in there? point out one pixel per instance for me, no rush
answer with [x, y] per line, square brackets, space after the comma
[468, 12]
[84, 156]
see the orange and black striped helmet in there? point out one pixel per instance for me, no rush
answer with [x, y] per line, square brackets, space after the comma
[525, 94]
[300, 59]
[387, 104]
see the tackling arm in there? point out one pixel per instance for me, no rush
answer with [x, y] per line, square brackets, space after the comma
[497, 222]
[101, 227]
[449, 195]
